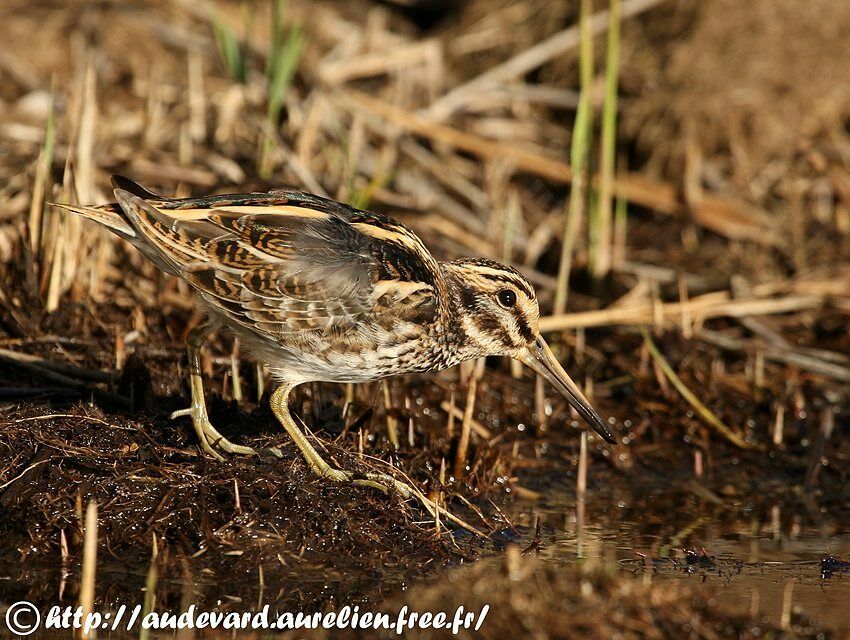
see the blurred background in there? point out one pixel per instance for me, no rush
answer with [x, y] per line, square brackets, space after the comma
[673, 176]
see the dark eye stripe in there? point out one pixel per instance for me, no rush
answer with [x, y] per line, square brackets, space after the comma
[491, 326]
[523, 325]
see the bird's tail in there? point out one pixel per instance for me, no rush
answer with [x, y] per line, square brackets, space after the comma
[109, 215]
[114, 218]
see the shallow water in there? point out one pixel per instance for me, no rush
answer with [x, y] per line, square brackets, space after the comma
[755, 567]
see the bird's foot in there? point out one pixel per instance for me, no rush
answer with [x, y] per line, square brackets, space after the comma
[379, 481]
[390, 485]
[211, 439]
[383, 482]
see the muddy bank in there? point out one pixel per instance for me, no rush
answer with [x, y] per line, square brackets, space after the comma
[258, 522]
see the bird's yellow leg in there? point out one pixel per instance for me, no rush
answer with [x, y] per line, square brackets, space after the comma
[280, 407]
[208, 435]
[381, 481]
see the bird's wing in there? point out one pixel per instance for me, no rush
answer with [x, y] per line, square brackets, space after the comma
[287, 262]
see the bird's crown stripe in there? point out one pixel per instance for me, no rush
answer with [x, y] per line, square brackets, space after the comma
[501, 275]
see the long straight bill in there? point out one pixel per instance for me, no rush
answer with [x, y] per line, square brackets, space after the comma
[540, 358]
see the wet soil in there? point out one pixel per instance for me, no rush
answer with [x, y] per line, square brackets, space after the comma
[246, 530]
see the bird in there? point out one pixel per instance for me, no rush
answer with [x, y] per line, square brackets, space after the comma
[318, 290]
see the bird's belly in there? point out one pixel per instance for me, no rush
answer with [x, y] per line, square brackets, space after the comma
[346, 367]
[369, 354]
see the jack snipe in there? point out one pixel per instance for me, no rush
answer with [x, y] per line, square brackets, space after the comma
[320, 291]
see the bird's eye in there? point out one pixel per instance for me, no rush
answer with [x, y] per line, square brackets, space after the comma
[506, 298]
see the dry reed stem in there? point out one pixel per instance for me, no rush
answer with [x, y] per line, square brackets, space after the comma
[787, 602]
[87, 580]
[260, 378]
[40, 184]
[235, 378]
[702, 411]
[374, 63]
[197, 96]
[466, 424]
[581, 477]
[528, 60]
[150, 589]
[684, 300]
[779, 425]
[392, 423]
[57, 260]
[449, 407]
[602, 246]
[714, 305]
[540, 404]
[86, 135]
[621, 227]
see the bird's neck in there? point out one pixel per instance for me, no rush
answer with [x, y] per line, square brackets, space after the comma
[455, 317]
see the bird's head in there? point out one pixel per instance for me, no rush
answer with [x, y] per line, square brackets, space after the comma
[498, 311]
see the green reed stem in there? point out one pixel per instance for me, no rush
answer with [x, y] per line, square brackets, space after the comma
[601, 244]
[579, 150]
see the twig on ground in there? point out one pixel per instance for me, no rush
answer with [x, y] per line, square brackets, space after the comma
[705, 414]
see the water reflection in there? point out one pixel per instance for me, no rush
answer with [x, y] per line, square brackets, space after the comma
[756, 567]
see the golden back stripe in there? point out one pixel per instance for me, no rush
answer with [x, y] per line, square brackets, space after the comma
[160, 235]
[398, 235]
[203, 214]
